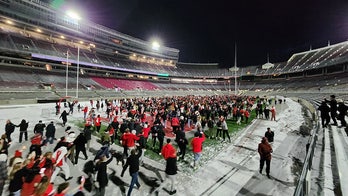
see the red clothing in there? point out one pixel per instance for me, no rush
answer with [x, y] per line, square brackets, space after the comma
[49, 190]
[28, 187]
[168, 151]
[36, 140]
[246, 113]
[146, 132]
[97, 122]
[175, 121]
[265, 150]
[143, 118]
[273, 111]
[128, 139]
[197, 143]
[111, 131]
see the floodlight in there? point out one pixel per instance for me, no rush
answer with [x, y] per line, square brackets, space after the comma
[155, 45]
[81, 42]
[38, 30]
[62, 36]
[73, 15]
[9, 22]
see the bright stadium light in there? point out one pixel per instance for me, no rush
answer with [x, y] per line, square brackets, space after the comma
[155, 45]
[9, 22]
[73, 15]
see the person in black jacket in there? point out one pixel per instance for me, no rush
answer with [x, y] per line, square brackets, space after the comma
[270, 135]
[80, 145]
[324, 114]
[50, 133]
[342, 112]
[9, 129]
[39, 127]
[333, 109]
[133, 163]
[182, 143]
[23, 129]
[171, 171]
[88, 134]
[102, 176]
[64, 117]
[160, 136]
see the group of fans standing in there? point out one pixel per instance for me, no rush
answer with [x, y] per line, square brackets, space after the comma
[131, 121]
[336, 109]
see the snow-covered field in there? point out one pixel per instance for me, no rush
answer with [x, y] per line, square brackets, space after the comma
[226, 169]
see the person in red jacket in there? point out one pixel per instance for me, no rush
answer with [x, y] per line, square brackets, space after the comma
[168, 150]
[97, 123]
[146, 131]
[175, 124]
[128, 141]
[265, 150]
[197, 147]
[85, 110]
[247, 115]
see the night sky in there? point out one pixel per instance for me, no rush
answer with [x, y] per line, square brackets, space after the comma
[206, 31]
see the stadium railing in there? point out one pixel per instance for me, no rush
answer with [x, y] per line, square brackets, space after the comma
[303, 185]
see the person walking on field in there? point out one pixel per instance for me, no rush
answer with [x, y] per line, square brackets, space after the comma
[39, 127]
[171, 171]
[50, 133]
[23, 129]
[273, 112]
[270, 135]
[197, 147]
[133, 163]
[9, 129]
[64, 117]
[102, 176]
[265, 150]
[80, 146]
[224, 129]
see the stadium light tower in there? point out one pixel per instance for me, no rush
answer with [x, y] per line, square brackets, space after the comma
[235, 69]
[73, 17]
[155, 45]
[67, 73]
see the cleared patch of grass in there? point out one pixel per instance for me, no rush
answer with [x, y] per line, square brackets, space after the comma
[152, 153]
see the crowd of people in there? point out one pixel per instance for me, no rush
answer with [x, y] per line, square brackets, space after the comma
[333, 110]
[129, 122]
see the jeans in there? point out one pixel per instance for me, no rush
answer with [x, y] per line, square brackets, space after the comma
[133, 181]
[50, 140]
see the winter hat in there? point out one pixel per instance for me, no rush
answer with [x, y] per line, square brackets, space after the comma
[3, 157]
